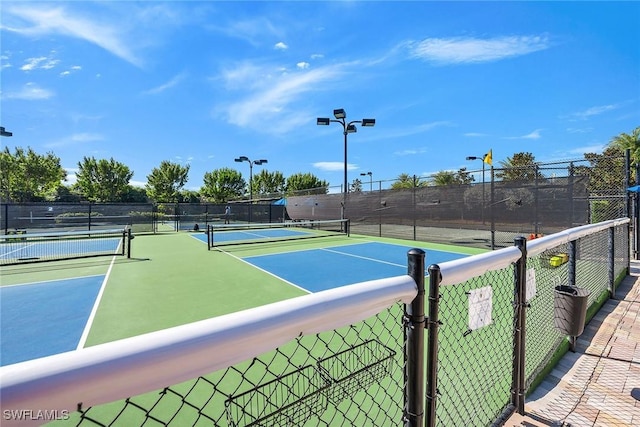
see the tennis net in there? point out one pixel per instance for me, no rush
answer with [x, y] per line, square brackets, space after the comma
[19, 247]
[239, 234]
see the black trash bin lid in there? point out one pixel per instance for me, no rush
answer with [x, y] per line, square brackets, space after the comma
[567, 289]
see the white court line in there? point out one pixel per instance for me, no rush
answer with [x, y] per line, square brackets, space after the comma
[293, 251]
[265, 271]
[363, 257]
[87, 327]
[48, 281]
[17, 250]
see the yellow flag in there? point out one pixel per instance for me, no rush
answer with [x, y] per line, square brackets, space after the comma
[488, 158]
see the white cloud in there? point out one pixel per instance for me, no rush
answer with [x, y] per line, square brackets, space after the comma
[411, 130]
[245, 75]
[272, 99]
[70, 70]
[75, 139]
[533, 135]
[281, 46]
[43, 62]
[4, 60]
[30, 92]
[475, 134]
[579, 130]
[317, 56]
[593, 111]
[461, 50]
[596, 148]
[171, 83]
[410, 152]
[303, 65]
[45, 20]
[334, 166]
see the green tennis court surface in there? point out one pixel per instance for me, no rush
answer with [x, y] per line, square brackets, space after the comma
[172, 279]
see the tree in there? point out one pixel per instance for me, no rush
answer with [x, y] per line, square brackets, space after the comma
[451, 178]
[28, 176]
[630, 141]
[221, 185]
[356, 186]
[407, 181]
[189, 196]
[306, 183]
[135, 195]
[165, 182]
[521, 167]
[606, 172]
[267, 182]
[103, 180]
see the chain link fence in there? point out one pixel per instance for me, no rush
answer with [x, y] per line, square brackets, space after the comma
[541, 199]
[35, 217]
[140, 217]
[350, 376]
[496, 338]
[493, 323]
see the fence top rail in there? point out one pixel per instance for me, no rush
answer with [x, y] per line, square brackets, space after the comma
[463, 269]
[537, 246]
[136, 365]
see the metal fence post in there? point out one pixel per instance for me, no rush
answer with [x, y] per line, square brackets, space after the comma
[571, 273]
[611, 249]
[432, 350]
[414, 344]
[493, 219]
[519, 304]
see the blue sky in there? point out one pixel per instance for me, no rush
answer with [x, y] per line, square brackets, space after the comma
[202, 83]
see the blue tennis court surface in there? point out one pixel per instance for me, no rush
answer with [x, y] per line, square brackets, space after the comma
[320, 269]
[45, 318]
[16, 249]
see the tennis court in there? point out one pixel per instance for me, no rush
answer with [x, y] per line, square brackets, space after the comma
[172, 279]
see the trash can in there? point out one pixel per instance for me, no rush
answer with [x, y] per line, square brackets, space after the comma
[570, 309]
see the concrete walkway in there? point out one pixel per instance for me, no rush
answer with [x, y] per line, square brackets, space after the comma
[599, 384]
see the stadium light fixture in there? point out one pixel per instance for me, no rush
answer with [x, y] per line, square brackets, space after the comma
[4, 132]
[251, 163]
[481, 158]
[347, 128]
[370, 179]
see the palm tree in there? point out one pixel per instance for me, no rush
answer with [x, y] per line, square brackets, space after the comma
[631, 141]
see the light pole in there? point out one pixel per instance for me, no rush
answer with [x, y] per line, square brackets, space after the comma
[251, 163]
[347, 128]
[370, 179]
[4, 132]
[483, 196]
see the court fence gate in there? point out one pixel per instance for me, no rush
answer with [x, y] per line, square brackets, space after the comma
[379, 353]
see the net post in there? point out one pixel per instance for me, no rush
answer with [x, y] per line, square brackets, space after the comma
[209, 231]
[129, 237]
[414, 324]
[348, 227]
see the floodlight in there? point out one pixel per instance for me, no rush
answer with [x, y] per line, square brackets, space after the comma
[351, 129]
[368, 122]
[323, 121]
[339, 113]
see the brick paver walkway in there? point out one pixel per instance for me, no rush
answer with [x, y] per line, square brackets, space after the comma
[599, 384]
